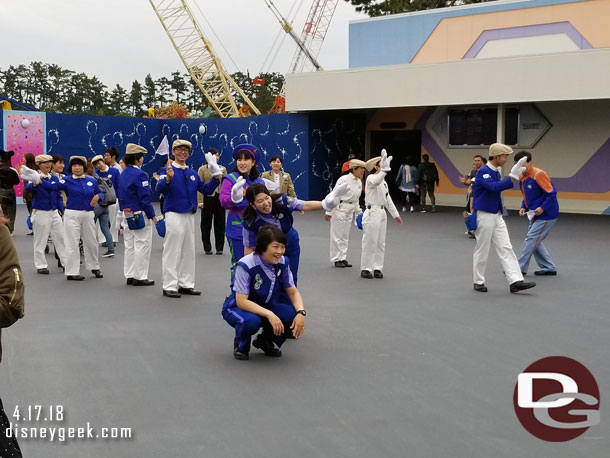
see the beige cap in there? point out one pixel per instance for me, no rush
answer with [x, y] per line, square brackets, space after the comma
[132, 148]
[178, 143]
[43, 158]
[371, 163]
[94, 159]
[497, 149]
[356, 163]
[83, 159]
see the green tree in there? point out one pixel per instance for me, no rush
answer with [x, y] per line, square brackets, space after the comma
[150, 92]
[383, 7]
[135, 98]
[119, 100]
[178, 85]
[163, 90]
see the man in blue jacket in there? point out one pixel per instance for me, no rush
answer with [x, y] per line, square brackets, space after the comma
[179, 185]
[541, 206]
[134, 194]
[491, 228]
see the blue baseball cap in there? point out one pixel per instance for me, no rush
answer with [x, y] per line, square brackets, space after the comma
[253, 150]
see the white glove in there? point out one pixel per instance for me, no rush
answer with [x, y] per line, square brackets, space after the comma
[518, 169]
[334, 197]
[213, 167]
[385, 161]
[30, 175]
[237, 191]
[271, 186]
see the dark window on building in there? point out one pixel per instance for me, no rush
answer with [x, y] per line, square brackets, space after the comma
[473, 127]
[511, 126]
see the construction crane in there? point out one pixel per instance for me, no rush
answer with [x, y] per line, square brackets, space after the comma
[199, 58]
[308, 44]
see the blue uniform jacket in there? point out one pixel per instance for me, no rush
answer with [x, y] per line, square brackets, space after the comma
[538, 191]
[264, 289]
[79, 191]
[134, 192]
[180, 195]
[45, 199]
[114, 176]
[487, 191]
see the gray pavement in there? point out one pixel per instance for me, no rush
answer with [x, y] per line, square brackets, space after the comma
[414, 365]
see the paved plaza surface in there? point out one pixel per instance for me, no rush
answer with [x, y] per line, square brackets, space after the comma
[413, 365]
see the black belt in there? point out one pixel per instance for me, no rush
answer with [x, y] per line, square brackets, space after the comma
[379, 206]
[348, 202]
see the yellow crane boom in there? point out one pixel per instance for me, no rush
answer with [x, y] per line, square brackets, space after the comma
[199, 58]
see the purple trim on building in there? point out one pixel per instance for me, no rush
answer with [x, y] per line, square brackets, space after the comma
[527, 31]
[591, 178]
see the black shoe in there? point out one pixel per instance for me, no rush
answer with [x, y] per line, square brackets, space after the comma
[545, 272]
[129, 281]
[480, 287]
[346, 264]
[208, 252]
[189, 291]
[75, 277]
[44, 271]
[146, 282]
[105, 245]
[171, 293]
[238, 354]
[378, 274]
[366, 274]
[219, 253]
[97, 273]
[266, 346]
[339, 264]
[521, 285]
[108, 254]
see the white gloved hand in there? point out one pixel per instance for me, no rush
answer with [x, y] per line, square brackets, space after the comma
[30, 175]
[385, 161]
[213, 166]
[271, 186]
[237, 191]
[334, 197]
[518, 169]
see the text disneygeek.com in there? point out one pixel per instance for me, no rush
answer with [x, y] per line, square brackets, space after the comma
[22, 426]
[64, 433]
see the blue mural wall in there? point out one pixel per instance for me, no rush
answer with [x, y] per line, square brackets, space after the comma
[285, 135]
[333, 136]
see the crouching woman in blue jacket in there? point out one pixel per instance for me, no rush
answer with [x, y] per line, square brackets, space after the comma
[256, 301]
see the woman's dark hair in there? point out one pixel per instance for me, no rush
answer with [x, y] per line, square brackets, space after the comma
[252, 191]
[275, 158]
[30, 161]
[113, 152]
[131, 159]
[58, 158]
[245, 154]
[77, 161]
[266, 236]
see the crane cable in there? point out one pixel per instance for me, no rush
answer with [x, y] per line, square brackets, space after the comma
[215, 35]
[276, 13]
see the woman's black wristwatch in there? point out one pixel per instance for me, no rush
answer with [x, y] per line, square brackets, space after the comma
[302, 312]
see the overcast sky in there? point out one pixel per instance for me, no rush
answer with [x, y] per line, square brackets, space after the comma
[123, 40]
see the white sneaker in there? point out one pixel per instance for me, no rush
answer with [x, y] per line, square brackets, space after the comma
[404, 209]
[411, 209]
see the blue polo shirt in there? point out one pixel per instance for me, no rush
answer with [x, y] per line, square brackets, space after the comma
[487, 190]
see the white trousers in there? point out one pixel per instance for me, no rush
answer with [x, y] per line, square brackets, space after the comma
[340, 224]
[491, 229]
[178, 259]
[114, 227]
[45, 223]
[79, 224]
[374, 224]
[138, 245]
